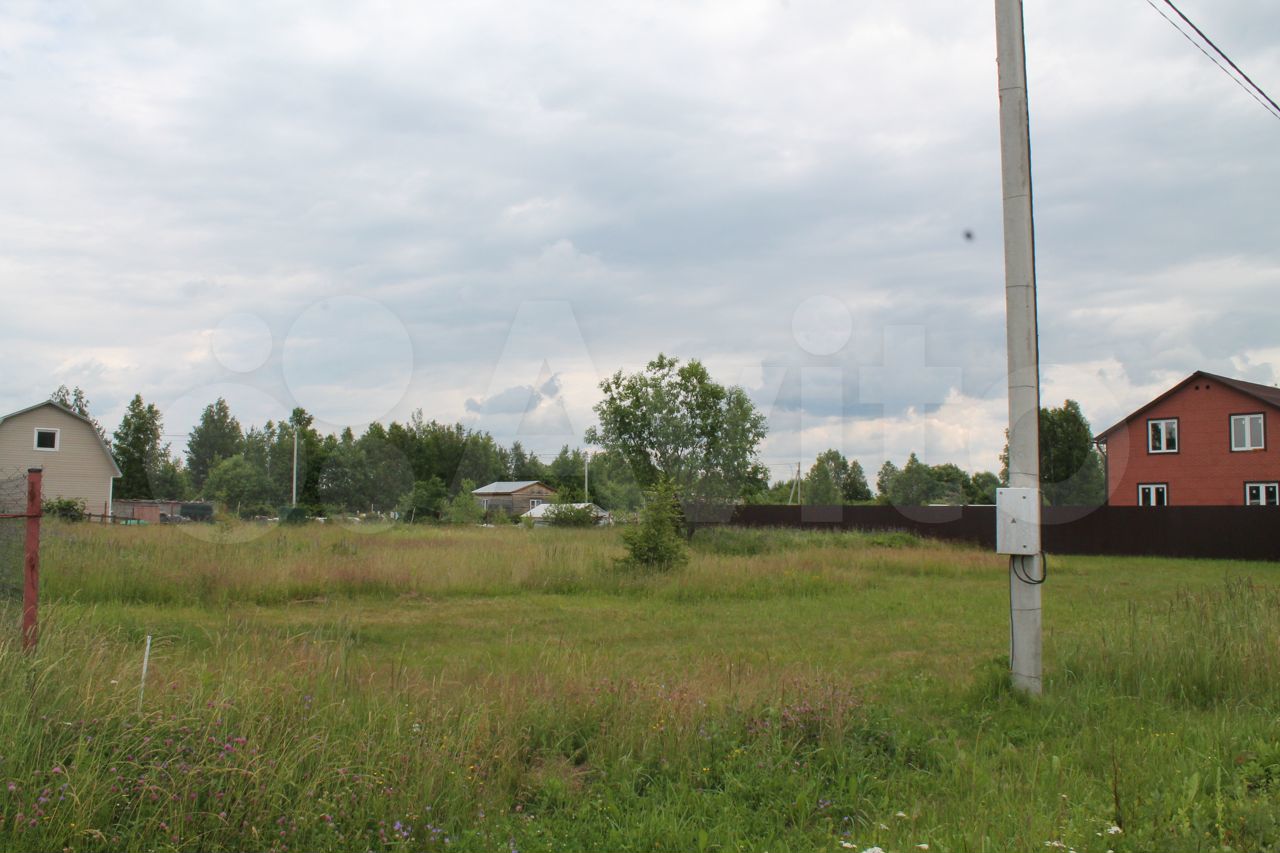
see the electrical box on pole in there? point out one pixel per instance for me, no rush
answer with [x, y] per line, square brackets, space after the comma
[1018, 522]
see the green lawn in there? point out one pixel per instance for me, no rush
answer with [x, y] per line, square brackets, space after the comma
[329, 688]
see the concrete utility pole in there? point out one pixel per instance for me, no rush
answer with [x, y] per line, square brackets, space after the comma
[295, 465]
[586, 476]
[1018, 513]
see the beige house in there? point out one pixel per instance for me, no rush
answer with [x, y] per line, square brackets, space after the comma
[76, 462]
[514, 498]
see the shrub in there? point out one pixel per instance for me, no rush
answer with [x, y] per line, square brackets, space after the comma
[293, 515]
[568, 515]
[68, 509]
[657, 542]
[463, 508]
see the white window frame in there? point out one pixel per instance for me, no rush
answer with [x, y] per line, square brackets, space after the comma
[1264, 499]
[1164, 436]
[535, 502]
[57, 439]
[1247, 419]
[1151, 490]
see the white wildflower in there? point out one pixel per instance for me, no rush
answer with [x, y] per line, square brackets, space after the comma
[900, 814]
[1114, 830]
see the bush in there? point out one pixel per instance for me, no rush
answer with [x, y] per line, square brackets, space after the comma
[657, 542]
[293, 515]
[68, 509]
[568, 515]
[463, 508]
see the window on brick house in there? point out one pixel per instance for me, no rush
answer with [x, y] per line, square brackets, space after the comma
[1247, 432]
[1153, 494]
[1262, 494]
[1162, 435]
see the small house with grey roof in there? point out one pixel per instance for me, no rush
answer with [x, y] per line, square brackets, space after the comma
[514, 497]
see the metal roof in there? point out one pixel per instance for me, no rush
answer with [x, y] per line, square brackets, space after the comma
[506, 487]
[92, 429]
[542, 509]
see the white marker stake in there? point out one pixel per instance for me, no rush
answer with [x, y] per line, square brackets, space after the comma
[146, 658]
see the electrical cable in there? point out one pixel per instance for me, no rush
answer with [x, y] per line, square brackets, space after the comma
[1268, 104]
[1022, 573]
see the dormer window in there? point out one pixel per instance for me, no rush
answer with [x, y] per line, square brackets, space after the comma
[1247, 432]
[1162, 436]
[46, 439]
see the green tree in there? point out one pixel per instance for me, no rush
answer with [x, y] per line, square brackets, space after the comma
[138, 451]
[463, 508]
[1071, 468]
[388, 473]
[345, 481]
[75, 400]
[216, 437]
[655, 543]
[833, 479]
[675, 422]
[915, 485]
[239, 485]
[170, 481]
[424, 501]
[982, 488]
[884, 480]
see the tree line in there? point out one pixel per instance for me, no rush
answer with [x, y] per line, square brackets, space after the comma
[670, 422]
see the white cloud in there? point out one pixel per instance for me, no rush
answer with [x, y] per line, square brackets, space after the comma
[680, 178]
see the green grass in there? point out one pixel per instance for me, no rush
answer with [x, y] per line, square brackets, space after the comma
[340, 688]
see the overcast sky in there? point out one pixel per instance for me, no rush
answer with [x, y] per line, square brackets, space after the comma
[482, 209]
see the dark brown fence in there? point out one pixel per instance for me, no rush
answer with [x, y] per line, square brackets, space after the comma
[1222, 532]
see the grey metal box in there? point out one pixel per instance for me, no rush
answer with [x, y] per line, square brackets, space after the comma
[1017, 521]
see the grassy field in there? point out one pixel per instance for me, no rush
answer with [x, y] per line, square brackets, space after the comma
[510, 689]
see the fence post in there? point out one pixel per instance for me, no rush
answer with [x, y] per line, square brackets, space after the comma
[31, 565]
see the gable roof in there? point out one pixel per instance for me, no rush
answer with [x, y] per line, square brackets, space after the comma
[504, 487]
[1263, 393]
[93, 430]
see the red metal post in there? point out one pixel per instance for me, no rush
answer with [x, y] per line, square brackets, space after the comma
[31, 585]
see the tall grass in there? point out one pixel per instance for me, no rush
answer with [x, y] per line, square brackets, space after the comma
[328, 689]
[1201, 647]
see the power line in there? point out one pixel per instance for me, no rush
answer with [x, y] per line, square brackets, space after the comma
[1256, 92]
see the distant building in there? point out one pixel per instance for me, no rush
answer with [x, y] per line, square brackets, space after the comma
[514, 498]
[539, 513]
[77, 464]
[161, 512]
[1202, 442]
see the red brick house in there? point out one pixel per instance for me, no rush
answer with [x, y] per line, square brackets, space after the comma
[1203, 442]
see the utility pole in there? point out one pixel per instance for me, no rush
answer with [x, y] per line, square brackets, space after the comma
[1018, 508]
[295, 465]
[586, 476]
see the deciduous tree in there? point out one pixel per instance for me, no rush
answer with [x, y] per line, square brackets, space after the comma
[675, 422]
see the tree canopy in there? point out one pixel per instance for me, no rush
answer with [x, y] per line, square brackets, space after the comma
[833, 479]
[674, 421]
[1071, 467]
[138, 451]
[216, 437]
